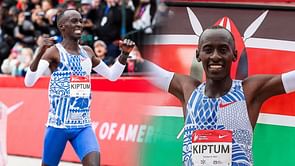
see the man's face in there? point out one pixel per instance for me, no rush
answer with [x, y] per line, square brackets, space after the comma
[216, 52]
[72, 24]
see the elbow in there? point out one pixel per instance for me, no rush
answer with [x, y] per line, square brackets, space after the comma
[113, 79]
[28, 84]
[114, 76]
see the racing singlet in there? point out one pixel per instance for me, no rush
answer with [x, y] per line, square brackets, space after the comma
[69, 91]
[217, 131]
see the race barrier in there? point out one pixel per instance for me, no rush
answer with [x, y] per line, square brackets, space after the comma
[3, 126]
[118, 110]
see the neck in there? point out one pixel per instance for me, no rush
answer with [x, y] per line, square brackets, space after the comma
[71, 46]
[217, 88]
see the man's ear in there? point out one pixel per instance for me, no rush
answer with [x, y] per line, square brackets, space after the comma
[198, 55]
[235, 56]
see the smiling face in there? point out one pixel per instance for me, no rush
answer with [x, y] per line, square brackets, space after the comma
[216, 52]
[70, 24]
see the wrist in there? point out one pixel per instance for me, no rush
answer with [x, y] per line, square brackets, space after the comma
[123, 58]
[125, 54]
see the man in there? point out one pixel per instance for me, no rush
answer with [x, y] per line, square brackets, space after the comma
[220, 113]
[69, 89]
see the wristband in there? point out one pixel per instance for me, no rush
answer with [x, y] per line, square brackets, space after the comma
[288, 80]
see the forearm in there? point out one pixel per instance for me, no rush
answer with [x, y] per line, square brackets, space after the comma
[111, 73]
[288, 80]
[34, 64]
[161, 78]
[32, 76]
[123, 58]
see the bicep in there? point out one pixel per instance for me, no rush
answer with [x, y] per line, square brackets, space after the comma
[175, 86]
[90, 53]
[265, 86]
[182, 86]
[51, 55]
[95, 61]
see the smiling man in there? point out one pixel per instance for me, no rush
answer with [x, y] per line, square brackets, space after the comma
[220, 113]
[69, 89]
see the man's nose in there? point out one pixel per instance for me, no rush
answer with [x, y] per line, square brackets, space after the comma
[80, 24]
[215, 55]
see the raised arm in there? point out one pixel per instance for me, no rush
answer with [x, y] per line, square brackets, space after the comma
[181, 86]
[114, 72]
[259, 88]
[41, 62]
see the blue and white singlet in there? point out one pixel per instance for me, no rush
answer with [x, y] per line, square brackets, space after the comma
[228, 112]
[69, 91]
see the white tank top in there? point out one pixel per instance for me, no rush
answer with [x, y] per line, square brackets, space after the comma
[69, 91]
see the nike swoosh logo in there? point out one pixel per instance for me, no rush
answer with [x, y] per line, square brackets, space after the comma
[221, 136]
[221, 105]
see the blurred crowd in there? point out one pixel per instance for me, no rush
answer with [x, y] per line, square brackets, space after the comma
[24, 23]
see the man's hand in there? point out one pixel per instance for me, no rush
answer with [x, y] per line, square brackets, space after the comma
[126, 46]
[46, 42]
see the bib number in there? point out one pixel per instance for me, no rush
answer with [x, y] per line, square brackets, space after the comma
[212, 147]
[79, 86]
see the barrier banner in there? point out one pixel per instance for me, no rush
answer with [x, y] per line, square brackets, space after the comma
[117, 112]
[3, 125]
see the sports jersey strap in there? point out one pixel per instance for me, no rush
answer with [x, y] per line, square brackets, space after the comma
[83, 52]
[62, 53]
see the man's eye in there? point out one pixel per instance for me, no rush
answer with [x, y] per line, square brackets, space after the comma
[223, 50]
[207, 50]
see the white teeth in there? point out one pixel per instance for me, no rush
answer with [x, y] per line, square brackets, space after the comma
[77, 31]
[215, 66]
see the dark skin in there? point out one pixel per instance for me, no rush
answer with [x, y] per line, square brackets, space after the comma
[217, 52]
[70, 26]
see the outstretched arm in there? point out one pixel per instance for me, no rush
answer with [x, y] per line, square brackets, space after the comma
[262, 87]
[259, 88]
[114, 72]
[39, 66]
[161, 78]
[179, 85]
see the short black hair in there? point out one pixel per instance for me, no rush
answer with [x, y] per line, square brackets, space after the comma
[219, 27]
[61, 15]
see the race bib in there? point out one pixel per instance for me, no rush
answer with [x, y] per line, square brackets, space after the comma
[79, 86]
[212, 147]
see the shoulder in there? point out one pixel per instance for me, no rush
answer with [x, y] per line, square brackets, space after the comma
[182, 86]
[86, 47]
[51, 54]
[254, 82]
[90, 53]
[187, 81]
[263, 86]
[88, 50]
